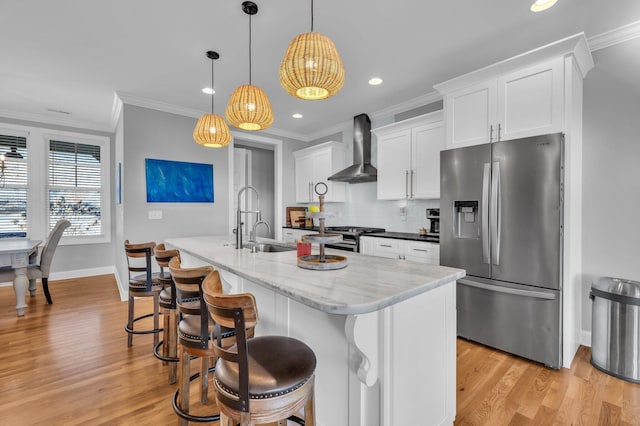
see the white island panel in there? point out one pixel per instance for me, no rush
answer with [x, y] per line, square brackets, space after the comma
[383, 330]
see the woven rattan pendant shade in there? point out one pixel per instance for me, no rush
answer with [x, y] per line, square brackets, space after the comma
[212, 131]
[311, 68]
[249, 108]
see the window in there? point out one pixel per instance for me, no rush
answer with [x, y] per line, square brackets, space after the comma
[76, 186]
[13, 185]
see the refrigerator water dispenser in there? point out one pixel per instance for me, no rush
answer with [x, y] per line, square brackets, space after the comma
[466, 219]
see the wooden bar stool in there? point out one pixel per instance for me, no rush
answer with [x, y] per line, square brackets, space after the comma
[146, 284]
[260, 380]
[168, 310]
[194, 334]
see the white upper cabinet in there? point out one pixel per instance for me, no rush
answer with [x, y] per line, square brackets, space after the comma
[409, 158]
[518, 104]
[530, 101]
[470, 113]
[315, 164]
[530, 94]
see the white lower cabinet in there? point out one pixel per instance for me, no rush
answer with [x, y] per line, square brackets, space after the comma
[292, 235]
[415, 251]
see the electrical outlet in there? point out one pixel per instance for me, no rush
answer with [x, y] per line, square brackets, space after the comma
[155, 214]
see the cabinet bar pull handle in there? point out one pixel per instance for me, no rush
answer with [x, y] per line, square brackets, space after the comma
[406, 184]
[412, 183]
[424, 250]
[385, 245]
[491, 133]
[499, 128]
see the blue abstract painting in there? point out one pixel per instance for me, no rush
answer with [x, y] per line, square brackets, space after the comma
[178, 182]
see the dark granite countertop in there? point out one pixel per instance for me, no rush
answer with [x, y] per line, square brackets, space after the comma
[431, 238]
[302, 228]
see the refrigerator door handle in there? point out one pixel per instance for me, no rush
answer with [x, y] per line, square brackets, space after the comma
[485, 209]
[496, 220]
[507, 290]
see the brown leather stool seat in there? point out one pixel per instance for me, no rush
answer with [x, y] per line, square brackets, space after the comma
[263, 379]
[278, 365]
[166, 301]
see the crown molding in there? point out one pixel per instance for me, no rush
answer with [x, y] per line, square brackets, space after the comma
[615, 36]
[130, 99]
[58, 121]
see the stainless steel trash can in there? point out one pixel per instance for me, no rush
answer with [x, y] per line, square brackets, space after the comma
[615, 331]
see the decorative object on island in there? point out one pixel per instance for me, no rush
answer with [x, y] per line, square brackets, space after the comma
[211, 130]
[322, 261]
[311, 68]
[249, 107]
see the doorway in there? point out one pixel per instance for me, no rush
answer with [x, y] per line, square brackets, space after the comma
[255, 167]
[257, 152]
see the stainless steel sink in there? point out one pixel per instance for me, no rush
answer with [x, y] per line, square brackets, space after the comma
[267, 247]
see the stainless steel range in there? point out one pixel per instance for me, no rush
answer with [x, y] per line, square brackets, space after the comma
[350, 236]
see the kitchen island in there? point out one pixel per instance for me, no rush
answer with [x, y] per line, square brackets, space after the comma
[383, 330]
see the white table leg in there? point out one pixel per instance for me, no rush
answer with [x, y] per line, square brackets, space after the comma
[20, 284]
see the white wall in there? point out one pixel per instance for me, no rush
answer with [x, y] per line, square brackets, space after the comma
[611, 174]
[159, 135]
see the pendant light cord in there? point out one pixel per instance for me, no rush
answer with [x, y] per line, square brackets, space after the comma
[311, 15]
[213, 90]
[249, 49]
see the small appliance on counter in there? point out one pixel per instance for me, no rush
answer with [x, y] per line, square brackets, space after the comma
[433, 216]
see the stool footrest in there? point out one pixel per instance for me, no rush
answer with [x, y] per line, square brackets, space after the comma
[156, 353]
[190, 417]
[151, 331]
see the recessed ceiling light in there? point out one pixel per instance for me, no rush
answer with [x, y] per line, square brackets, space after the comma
[540, 5]
[375, 81]
[208, 91]
[297, 115]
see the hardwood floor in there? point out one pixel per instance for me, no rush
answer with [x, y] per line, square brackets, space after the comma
[495, 388]
[68, 364]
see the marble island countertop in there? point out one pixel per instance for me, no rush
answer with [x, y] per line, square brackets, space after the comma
[367, 284]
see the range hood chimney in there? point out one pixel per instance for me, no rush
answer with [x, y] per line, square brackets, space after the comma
[361, 170]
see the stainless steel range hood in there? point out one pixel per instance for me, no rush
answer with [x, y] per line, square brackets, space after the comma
[361, 170]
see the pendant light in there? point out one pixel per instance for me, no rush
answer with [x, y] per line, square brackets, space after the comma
[248, 106]
[311, 68]
[211, 130]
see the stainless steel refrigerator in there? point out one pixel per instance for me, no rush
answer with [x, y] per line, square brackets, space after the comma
[501, 211]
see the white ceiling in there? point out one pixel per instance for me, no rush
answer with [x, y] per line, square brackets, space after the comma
[75, 55]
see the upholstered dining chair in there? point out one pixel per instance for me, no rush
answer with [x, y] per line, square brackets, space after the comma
[41, 270]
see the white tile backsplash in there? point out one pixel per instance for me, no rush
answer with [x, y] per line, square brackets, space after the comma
[363, 209]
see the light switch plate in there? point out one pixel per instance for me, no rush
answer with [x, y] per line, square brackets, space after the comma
[155, 214]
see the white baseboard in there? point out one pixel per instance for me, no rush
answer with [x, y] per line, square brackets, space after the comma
[80, 273]
[585, 338]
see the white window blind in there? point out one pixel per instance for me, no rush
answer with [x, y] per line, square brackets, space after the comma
[13, 187]
[75, 187]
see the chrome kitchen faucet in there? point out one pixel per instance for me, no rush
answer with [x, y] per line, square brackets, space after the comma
[238, 228]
